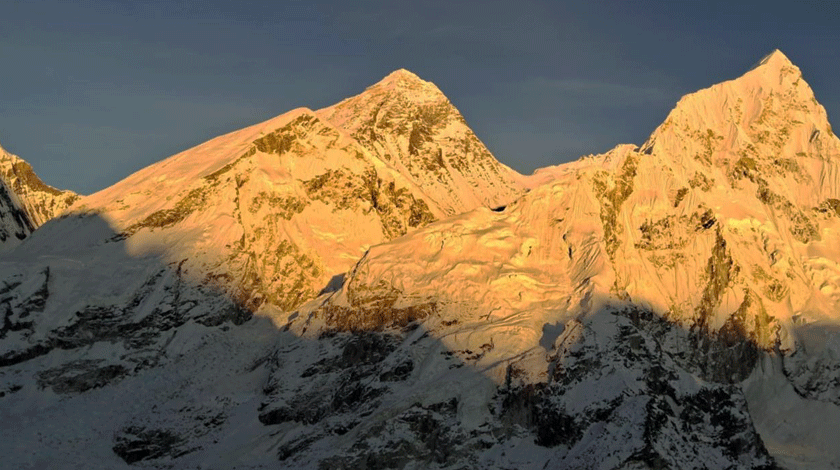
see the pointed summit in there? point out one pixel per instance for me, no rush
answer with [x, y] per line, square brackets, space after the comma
[399, 91]
[775, 66]
[26, 202]
[769, 110]
[402, 75]
[409, 123]
[776, 57]
[406, 84]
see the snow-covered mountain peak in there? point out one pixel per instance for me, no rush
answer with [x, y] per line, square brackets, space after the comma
[14, 167]
[776, 73]
[312, 184]
[410, 124]
[405, 81]
[775, 60]
[770, 110]
[402, 75]
[400, 89]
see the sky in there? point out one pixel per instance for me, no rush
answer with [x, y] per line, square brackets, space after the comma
[93, 90]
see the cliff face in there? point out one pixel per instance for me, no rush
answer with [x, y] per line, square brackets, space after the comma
[14, 223]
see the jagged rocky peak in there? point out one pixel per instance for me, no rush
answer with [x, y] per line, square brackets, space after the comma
[410, 124]
[27, 202]
[764, 129]
[400, 104]
[40, 201]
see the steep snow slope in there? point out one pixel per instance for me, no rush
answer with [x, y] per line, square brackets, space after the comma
[25, 201]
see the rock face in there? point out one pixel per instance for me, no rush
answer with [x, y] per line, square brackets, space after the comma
[14, 224]
[355, 288]
[26, 202]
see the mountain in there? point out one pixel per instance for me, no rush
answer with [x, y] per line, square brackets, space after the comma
[274, 211]
[180, 255]
[662, 306]
[322, 291]
[26, 202]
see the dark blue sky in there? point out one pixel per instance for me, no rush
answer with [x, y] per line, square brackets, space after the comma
[94, 90]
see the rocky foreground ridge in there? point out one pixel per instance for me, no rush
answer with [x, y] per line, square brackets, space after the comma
[364, 286]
